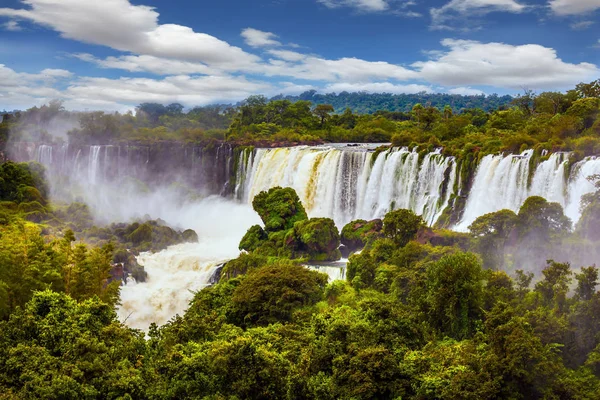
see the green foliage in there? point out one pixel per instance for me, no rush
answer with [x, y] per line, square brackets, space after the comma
[319, 238]
[273, 292]
[253, 238]
[539, 217]
[56, 348]
[454, 295]
[279, 208]
[490, 233]
[401, 226]
[357, 234]
[22, 182]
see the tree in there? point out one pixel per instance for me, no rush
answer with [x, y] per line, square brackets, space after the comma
[539, 218]
[526, 101]
[56, 348]
[490, 233]
[279, 208]
[322, 111]
[587, 281]
[555, 286]
[591, 89]
[401, 226]
[454, 295]
[271, 293]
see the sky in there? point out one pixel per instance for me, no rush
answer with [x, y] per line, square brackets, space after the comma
[115, 54]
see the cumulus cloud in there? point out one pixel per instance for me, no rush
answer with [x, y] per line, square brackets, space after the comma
[311, 67]
[182, 89]
[468, 62]
[255, 38]
[132, 29]
[463, 9]
[573, 7]
[155, 65]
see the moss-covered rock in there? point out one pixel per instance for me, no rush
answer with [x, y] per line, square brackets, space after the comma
[253, 239]
[357, 234]
[190, 236]
[318, 238]
[279, 208]
[143, 233]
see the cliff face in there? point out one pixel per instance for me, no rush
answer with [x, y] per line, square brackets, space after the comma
[336, 181]
[204, 168]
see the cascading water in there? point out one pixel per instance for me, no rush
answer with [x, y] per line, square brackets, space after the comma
[502, 182]
[346, 183]
[579, 185]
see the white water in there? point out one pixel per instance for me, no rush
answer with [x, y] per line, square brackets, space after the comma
[579, 185]
[502, 182]
[345, 184]
[178, 271]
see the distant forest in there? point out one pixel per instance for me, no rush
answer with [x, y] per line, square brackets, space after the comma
[369, 103]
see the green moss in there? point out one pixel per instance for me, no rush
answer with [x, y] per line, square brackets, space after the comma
[357, 234]
[279, 208]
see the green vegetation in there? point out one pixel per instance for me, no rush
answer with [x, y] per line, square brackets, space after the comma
[288, 232]
[419, 316]
[506, 311]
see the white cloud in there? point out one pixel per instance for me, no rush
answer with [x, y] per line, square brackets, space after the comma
[155, 65]
[502, 65]
[122, 26]
[581, 25]
[182, 89]
[24, 90]
[291, 88]
[344, 69]
[361, 5]
[465, 91]
[440, 17]
[573, 7]
[255, 38]
[287, 55]
[12, 26]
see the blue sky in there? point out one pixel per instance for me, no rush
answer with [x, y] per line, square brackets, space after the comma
[115, 54]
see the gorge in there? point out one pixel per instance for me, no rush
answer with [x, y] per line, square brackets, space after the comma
[209, 189]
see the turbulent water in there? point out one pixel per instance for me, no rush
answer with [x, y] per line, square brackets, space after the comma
[176, 273]
[337, 181]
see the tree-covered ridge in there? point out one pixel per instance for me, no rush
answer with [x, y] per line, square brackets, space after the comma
[369, 103]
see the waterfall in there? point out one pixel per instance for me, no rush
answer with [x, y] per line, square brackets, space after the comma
[93, 161]
[44, 155]
[344, 183]
[550, 180]
[578, 185]
[336, 181]
[502, 182]
[174, 275]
